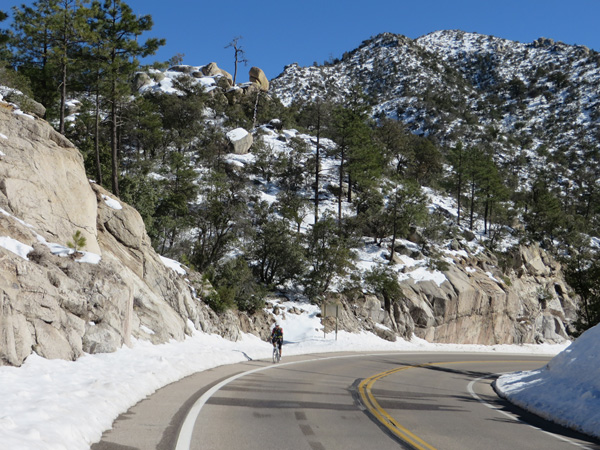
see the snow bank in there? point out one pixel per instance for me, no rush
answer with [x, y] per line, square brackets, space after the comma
[566, 390]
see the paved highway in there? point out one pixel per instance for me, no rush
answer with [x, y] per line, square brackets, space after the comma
[422, 401]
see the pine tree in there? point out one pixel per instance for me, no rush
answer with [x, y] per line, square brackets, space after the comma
[359, 161]
[329, 253]
[32, 44]
[395, 142]
[179, 191]
[117, 29]
[544, 215]
[70, 30]
[406, 207]
[583, 275]
[4, 37]
[456, 157]
[275, 248]
[78, 241]
[48, 38]
[218, 219]
[316, 117]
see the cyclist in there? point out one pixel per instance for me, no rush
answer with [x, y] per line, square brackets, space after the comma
[277, 337]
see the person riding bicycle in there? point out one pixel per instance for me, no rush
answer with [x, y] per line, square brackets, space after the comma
[277, 337]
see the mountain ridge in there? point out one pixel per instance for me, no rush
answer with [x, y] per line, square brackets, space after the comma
[449, 84]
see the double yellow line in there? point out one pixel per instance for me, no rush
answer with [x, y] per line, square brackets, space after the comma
[364, 389]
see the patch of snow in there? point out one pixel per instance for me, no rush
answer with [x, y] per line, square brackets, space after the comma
[147, 330]
[16, 247]
[491, 276]
[236, 134]
[111, 202]
[424, 274]
[89, 258]
[172, 264]
[156, 176]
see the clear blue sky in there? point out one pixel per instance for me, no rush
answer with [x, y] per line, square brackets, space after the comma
[277, 33]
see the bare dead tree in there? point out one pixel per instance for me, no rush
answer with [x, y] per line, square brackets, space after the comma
[239, 54]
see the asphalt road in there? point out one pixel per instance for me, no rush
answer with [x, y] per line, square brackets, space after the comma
[423, 401]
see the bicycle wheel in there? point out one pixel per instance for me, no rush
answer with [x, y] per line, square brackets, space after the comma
[276, 355]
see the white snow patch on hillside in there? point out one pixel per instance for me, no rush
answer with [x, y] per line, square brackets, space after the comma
[174, 265]
[16, 247]
[111, 202]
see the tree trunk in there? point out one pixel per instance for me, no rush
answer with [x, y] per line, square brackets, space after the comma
[63, 96]
[97, 139]
[114, 146]
[341, 181]
[317, 166]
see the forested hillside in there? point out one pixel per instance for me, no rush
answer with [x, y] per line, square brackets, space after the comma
[393, 158]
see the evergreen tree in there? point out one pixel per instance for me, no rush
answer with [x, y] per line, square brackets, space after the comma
[292, 207]
[371, 217]
[277, 251]
[117, 29]
[173, 209]
[219, 219]
[395, 141]
[316, 117]
[360, 162]
[48, 38]
[329, 254]
[544, 216]
[456, 157]
[473, 168]
[32, 45]
[235, 286]
[492, 191]
[406, 207]
[384, 282]
[70, 30]
[583, 275]
[4, 37]
[426, 164]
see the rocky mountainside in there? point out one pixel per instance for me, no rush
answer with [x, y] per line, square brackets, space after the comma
[60, 303]
[533, 104]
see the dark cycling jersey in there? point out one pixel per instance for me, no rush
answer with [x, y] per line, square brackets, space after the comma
[277, 334]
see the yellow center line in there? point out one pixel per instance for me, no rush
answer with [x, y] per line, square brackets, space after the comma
[365, 391]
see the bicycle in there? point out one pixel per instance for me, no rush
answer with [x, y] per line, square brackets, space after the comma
[276, 354]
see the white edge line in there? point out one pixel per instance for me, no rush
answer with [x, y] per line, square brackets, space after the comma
[512, 416]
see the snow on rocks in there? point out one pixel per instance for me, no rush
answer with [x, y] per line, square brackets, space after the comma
[240, 141]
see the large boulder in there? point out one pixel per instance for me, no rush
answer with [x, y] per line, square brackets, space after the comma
[43, 182]
[240, 141]
[212, 70]
[258, 77]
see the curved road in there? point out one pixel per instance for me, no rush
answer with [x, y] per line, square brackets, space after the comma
[423, 401]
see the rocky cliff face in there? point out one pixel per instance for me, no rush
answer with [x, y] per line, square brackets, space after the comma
[527, 302]
[59, 303]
